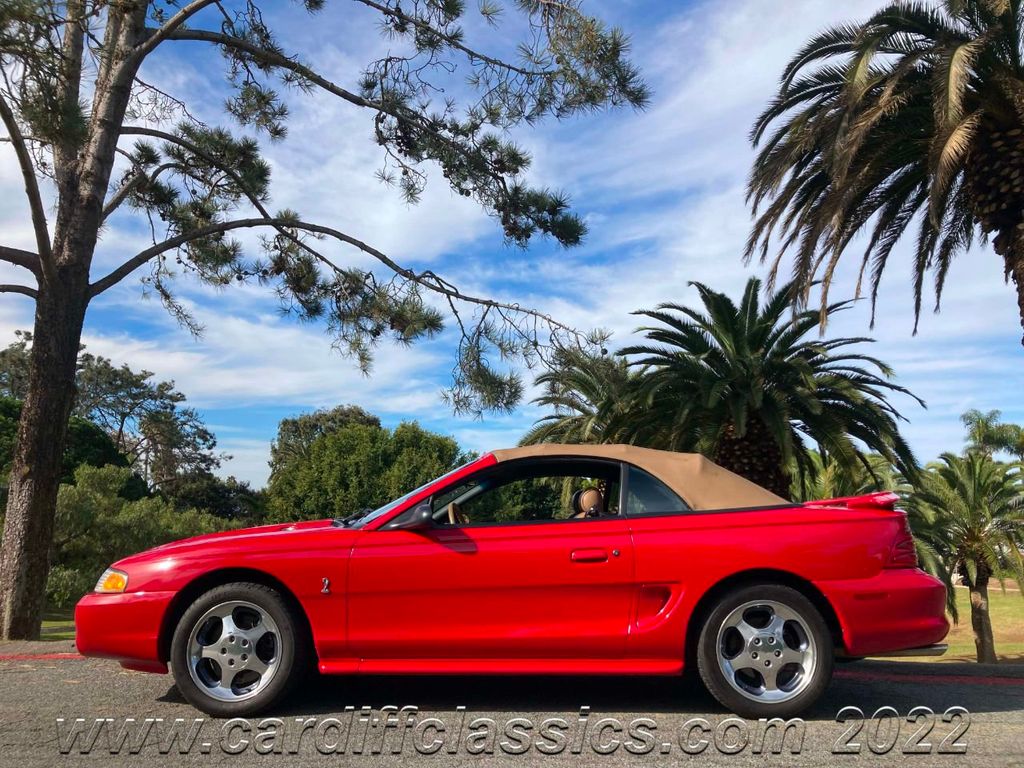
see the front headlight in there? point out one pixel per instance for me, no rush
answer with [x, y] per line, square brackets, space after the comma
[112, 580]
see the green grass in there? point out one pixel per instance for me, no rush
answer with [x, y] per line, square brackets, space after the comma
[58, 624]
[1007, 610]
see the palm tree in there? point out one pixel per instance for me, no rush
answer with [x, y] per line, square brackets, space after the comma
[588, 394]
[828, 479]
[912, 120]
[970, 509]
[986, 433]
[748, 384]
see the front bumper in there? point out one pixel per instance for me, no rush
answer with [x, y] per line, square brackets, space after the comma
[124, 626]
[899, 609]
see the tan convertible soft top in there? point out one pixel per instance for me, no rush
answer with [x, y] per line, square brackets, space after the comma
[701, 483]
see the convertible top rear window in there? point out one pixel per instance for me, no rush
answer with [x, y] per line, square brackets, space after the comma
[647, 495]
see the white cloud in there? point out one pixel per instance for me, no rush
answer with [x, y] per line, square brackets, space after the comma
[264, 359]
[248, 460]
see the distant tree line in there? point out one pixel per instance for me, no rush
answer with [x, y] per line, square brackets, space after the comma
[139, 467]
[137, 470]
[332, 463]
[162, 439]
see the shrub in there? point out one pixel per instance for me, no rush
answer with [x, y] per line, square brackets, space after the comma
[98, 522]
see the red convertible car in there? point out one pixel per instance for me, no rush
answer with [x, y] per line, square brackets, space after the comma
[550, 559]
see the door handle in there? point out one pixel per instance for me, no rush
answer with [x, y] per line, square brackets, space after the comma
[589, 556]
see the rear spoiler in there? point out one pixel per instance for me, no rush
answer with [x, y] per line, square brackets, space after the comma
[879, 500]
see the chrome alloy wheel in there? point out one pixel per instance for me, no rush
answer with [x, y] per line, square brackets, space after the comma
[234, 650]
[766, 651]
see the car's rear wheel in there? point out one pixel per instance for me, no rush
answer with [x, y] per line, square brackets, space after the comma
[236, 650]
[765, 651]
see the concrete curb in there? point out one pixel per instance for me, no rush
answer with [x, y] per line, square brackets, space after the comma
[1013, 670]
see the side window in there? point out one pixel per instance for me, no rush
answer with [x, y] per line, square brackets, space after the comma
[647, 495]
[531, 492]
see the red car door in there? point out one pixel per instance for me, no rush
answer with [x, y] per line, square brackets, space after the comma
[552, 589]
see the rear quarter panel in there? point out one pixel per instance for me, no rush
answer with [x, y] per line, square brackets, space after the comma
[685, 556]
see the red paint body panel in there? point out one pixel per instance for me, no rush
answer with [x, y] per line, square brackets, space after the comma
[900, 608]
[611, 595]
[490, 592]
[125, 627]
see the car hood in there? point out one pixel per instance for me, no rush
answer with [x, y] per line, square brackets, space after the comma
[271, 535]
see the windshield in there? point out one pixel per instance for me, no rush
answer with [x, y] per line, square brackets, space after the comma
[370, 516]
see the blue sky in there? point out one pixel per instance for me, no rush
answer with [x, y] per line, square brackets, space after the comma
[662, 191]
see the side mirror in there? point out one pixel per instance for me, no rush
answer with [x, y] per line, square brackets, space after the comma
[419, 517]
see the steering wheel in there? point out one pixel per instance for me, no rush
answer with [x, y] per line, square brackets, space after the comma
[456, 515]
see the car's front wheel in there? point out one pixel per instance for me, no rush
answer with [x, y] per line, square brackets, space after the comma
[765, 651]
[237, 650]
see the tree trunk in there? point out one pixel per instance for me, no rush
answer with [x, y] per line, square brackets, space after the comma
[981, 621]
[755, 456]
[38, 453]
[82, 176]
[995, 186]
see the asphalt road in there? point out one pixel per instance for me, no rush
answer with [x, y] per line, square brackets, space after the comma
[673, 721]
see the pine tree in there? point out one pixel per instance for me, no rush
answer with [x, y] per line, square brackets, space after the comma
[74, 80]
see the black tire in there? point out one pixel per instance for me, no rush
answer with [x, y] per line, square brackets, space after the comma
[716, 680]
[291, 651]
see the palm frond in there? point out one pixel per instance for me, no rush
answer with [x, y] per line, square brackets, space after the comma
[876, 129]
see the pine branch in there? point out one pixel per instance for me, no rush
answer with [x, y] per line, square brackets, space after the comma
[169, 98]
[271, 58]
[472, 54]
[503, 200]
[73, 50]
[181, 141]
[172, 25]
[427, 279]
[22, 289]
[275, 59]
[35, 200]
[141, 176]
[228, 171]
[20, 258]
